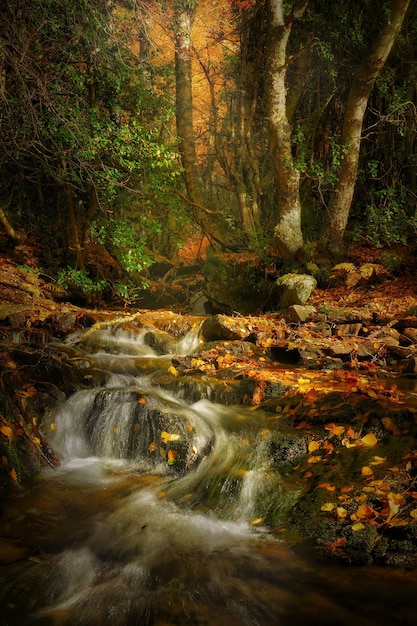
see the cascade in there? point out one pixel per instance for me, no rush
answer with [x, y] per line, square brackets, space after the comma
[155, 516]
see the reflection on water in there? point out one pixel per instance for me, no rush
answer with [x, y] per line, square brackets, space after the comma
[115, 537]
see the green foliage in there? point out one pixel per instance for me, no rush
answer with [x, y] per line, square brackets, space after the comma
[78, 280]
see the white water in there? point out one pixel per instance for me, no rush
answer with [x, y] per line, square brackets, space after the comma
[123, 537]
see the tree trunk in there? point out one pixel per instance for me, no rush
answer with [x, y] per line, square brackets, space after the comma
[212, 222]
[360, 91]
[288, 235]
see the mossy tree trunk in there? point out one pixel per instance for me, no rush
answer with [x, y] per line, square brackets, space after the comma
[362, 85]
[288, 235]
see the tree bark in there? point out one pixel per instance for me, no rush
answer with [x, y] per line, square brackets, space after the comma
[287, 232]
[212, 222]
[366, 75]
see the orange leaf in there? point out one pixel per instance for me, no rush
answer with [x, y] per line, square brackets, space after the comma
[364, 511]
[13, 475]
[152, 447]
[327, 486]
[366, 471]
[347, 488]
[389, 425]
[335, 430]
[314, 459]
[6, 431]
[328, 447]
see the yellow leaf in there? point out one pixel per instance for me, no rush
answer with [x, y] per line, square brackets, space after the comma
[341, 512]
[313, 446]
[258, 521]
[358, 526]
[314, 459]
[169, 437]
[7, 431]
[328, 506]
[395, 500]
[399, 522]
[173, 371]
[378, 460]
[52, 426]
[413, 513]
[366, 471]
[369, 440]
[347, 443]
[116, 429]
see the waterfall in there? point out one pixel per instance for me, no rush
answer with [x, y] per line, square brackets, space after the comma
[158, 512]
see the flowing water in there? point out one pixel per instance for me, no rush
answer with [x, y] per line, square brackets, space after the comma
[154, 517]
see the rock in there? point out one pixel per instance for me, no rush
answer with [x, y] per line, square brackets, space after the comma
[351, 330]
[221, 327]
[297, 313]
[294, 289]
[411, 334]
[345, 315]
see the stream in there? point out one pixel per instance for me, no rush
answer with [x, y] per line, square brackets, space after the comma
[155, 515]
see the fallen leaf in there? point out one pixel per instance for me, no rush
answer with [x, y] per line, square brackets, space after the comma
[357, 526]
[341, 512]
[335, 430]
[366, 471]
[174, 371]
[6, 431]
[389, 425]
[172, 456]
[378, 460]
[314, 459]
[327, 486]
[169, 437]
[328, 506]
[13, 475]
[364, 511]
[313, 446]
[369, 440]
[152, 447]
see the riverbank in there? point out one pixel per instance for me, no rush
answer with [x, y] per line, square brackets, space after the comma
[340, 384]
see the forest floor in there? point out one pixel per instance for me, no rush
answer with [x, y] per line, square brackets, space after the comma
[350, 414]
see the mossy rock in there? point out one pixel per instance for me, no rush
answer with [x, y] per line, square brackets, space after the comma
[236, 283]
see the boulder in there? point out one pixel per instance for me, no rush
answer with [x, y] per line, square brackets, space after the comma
[294, 289]
[298, 313]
